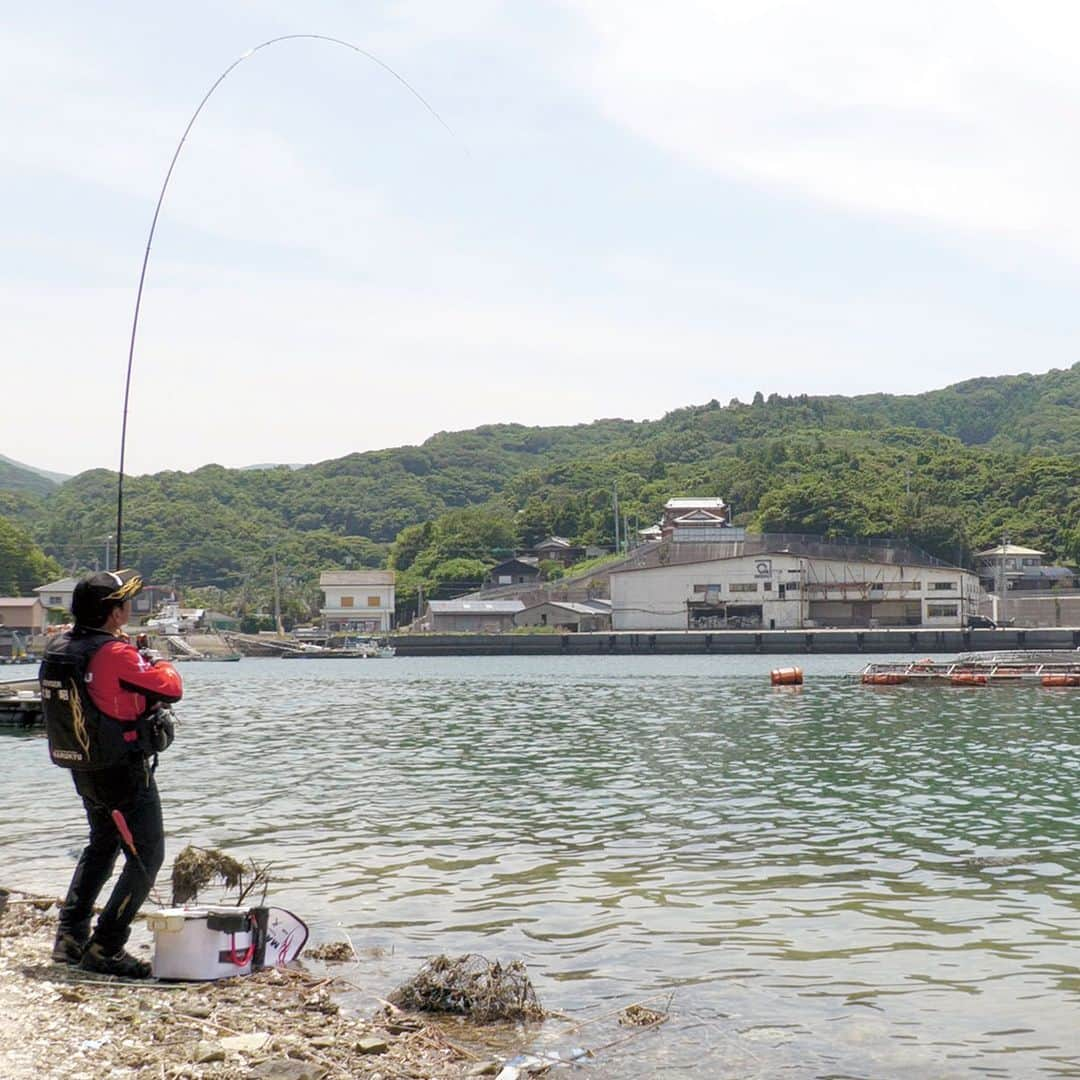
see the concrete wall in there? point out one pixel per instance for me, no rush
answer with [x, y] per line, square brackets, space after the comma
[1044, 609]
[916, 642]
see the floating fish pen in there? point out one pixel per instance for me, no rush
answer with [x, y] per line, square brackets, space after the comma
[1050, 669]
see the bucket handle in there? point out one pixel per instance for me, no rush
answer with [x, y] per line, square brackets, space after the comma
[241, 960]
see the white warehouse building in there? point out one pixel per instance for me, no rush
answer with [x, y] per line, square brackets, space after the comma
[780, 590]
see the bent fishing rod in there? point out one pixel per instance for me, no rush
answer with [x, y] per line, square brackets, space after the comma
[157, 211]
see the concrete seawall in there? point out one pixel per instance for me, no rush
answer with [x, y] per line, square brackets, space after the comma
[673, 642]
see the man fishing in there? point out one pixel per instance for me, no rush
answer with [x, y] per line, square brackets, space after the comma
[104, 716]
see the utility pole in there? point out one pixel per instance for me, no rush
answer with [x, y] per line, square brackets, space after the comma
[420, 600]
[277, 597]
[108, 548]
[615, 507]
[1002, 584]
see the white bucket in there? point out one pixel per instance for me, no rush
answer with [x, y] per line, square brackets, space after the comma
[201, 943]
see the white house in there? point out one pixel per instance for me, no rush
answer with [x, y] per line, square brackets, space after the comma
[776, 590]
[56, 596]
[1014, 568]
[697, 520]
[358, 600]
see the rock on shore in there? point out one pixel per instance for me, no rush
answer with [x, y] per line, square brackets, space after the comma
[66, 1024]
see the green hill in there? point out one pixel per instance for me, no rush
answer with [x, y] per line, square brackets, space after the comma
[949, 469]
[15, 476]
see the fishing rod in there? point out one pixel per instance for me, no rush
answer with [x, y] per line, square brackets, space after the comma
[157, 211]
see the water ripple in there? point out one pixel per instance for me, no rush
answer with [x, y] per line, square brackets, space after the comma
[630, 825]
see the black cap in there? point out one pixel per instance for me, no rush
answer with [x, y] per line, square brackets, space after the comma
[96, 595]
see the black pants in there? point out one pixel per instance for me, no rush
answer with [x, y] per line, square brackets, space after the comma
[129, 788]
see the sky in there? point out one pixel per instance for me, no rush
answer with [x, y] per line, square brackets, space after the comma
[621, 208]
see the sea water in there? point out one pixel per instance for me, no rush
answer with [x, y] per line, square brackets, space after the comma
[824, 881]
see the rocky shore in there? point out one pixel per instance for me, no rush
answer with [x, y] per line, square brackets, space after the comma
[62, 1023]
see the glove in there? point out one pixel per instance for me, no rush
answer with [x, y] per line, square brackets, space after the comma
[161, 730]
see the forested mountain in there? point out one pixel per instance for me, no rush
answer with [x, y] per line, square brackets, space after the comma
[15, 476]
[950, 469]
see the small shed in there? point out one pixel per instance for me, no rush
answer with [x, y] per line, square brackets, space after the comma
[23, 613]
[567, 615]
[472, 616]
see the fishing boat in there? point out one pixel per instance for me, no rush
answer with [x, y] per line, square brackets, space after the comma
[1052, 669]
[351, 649]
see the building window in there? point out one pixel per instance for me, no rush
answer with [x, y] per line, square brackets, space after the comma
[743, 586]
[942, 611]
[56, 601]
[372, 601]
[791, 586]
[943, 586]
[767, 586]
[346, 601]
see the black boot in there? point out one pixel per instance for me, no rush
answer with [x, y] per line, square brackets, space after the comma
[68, 947]
[120, 963]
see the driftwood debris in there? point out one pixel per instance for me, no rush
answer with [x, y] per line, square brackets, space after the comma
[471, 986]
[196, 867]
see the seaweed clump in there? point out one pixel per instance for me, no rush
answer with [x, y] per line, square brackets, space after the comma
[334, 952]
[641, 1016]
[471, 986]
[195, 867]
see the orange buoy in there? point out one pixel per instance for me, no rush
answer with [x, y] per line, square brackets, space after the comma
[786, 676]
[968, 678]
[883, 678]
[1061, 679]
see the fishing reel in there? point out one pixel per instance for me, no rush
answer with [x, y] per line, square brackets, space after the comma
[158, 729]
[142, 643]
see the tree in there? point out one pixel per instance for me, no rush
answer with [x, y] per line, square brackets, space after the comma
[23, 565]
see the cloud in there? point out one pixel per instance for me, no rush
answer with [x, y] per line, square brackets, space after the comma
[238, 367]
[960, 115]
[283, 155]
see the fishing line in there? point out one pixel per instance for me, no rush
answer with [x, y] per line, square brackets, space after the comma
[161, 198]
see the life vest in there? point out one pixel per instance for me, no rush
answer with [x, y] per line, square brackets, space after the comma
[80, 735]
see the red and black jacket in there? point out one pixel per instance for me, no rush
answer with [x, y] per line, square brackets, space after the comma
[95, 690]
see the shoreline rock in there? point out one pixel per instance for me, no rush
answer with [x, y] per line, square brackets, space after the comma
[67, 1024]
